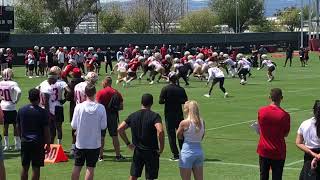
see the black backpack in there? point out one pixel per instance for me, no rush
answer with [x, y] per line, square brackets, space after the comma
[114, 104]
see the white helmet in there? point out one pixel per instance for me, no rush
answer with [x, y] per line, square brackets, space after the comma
[176, 60]
[95, 55]
[200, 56]
[221, 54]
[214, 54]
[167, 57]
[72, 62]
[8, 49]
[36, 47]
[239, 56]
[226, 56]
[90, 48]
[187, 53]
[140, 58]
[56, 70]
[92, 77]
[73, 48]
[1, 50]
[42, 48]
[137, 47]
[65, 48]
[121, 58]
[264, 56]
[7, 74]
[190, 57]
[157, 56]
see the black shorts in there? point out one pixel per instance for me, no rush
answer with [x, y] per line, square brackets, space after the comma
[32, 153]
[132, 74]
[9, 117]
[271, 69]
[90, 156]
[112, 124]
[147, 158]
[31, 67]
[58, 114]
[146, 68]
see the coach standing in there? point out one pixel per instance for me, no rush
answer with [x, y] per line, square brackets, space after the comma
[88, 120]
[33, 126]
[274, 124]
[173, 97]
[112, 100]
[146, 130]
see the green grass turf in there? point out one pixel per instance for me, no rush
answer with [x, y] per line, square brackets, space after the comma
[229, 144]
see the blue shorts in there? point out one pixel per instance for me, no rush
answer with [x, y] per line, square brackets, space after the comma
[191, 156]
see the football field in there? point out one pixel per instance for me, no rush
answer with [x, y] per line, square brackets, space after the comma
[229, 143]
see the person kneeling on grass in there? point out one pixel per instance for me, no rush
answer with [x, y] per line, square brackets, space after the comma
[88, 120]
[192, 130]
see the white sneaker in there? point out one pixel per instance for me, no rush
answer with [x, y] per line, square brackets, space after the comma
[226, 95]
[117, 82]
[6, 148]
[206, 95]
[37, 76]
[269, 80]
[30, 77]
[151, 82]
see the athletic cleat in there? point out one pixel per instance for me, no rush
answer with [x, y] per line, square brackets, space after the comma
[120, 158]
[100, 159]
[151, 82]
[174, 159]
[207, 95]
[71, 152]
[6, 148]
[17, 148]
[226, 95]
[30, 77]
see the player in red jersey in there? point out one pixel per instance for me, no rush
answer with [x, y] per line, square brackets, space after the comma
[133, 65]
[68, 69]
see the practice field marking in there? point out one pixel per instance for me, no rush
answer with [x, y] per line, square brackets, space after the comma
[293, 163]
[229, 125]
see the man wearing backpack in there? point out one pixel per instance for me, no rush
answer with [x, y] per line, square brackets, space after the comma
[113, 102]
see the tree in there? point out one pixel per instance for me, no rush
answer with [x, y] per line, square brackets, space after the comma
[111, 19]
[137, 20]
[30, 17]
[165, 12]
[289, 17]
[201, 21]
[265, 26]
[70, 13]
[250, 12]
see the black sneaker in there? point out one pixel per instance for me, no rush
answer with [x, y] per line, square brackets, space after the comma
[120, 158]
[174, 158]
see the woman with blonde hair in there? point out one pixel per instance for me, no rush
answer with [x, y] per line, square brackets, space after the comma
[192, 130]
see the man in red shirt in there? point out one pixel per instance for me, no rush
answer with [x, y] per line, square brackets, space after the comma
[113, 102]
[163, 51]
[274, 125]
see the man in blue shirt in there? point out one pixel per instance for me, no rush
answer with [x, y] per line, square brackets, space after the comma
[32, 122]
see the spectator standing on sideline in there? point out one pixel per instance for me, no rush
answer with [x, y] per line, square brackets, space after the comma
[147, 139]
[2, 168]
[100, 58]
[192, 129]
[173, 97]
[112, 100]
[289, 54]
[308, 140]
[36, 55]
[33, 127]
[88, 120]
[274, 125]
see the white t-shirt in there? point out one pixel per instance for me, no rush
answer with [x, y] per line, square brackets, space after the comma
[61, 57]
[46, 88]
[9, 90]
[309, 132]
[267, 63]
[157, 65]
[79, 92]
[245, 64]
[215, 72]
[58, 88]
[89, 118]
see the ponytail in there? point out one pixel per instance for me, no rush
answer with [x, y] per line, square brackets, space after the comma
[316, 112]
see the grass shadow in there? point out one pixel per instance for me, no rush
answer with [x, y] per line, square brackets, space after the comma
[212, 160]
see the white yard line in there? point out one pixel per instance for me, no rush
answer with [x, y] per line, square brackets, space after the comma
[229, 125]
[293, 163]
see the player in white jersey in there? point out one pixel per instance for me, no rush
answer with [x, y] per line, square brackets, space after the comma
[216, 76]
[157, 68]
[270, 65]
[230, 65]
[80, 96]
[197, 66]
[59, 88]
[10, 94]
[48, 96]
[122, 68]
[243, 68]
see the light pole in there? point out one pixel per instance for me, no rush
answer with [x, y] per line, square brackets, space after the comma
[237, 16]
[97, 15]
[301, 25]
